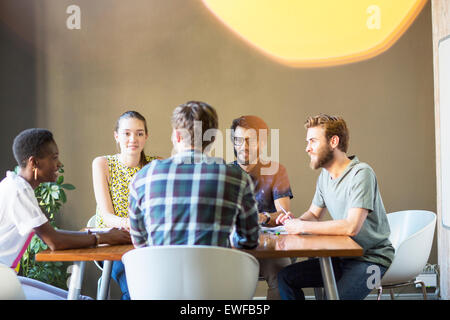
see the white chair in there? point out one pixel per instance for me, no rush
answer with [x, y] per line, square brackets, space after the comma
[412, 233]
[10, 288]
[180, 272]
[92, 222]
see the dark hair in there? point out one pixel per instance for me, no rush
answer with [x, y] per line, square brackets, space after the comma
[333, 126]
[136, 115]
[248, 122]
[185, 115]
[31, 142]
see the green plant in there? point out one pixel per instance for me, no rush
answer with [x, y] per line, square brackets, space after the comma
[50, 196]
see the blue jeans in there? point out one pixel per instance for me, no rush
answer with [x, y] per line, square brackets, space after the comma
[118, 274]
[352, 278]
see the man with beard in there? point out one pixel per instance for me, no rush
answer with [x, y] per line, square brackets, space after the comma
[349, 190]
[272, 188]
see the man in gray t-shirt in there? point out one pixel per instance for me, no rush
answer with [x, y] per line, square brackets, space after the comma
[357, 187]
[349, 190]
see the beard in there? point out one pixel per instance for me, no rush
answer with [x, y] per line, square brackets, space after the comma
[241, 159]
[324, 156]
[250, 158]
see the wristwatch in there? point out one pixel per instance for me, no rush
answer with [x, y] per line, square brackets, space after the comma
[97, 237]
[267, 216]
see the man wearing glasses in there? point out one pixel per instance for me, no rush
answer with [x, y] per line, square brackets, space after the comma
[272, 188]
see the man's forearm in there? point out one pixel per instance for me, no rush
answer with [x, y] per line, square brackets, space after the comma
[308, 216]
[330, 227]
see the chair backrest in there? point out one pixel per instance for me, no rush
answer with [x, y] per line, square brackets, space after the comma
[10, 288]
[180, 272]
[412, 233]
[92, 222]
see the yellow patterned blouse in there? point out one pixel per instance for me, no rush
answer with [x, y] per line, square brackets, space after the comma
[120, 177]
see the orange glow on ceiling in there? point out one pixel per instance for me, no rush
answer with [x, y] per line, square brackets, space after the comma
[309, 33]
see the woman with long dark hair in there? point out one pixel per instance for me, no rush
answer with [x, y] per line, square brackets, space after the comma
[113, 173]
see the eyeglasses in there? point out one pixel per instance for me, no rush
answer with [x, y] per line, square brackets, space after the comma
[239, 141]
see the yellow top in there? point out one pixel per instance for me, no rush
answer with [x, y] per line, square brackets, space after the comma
[120, 177]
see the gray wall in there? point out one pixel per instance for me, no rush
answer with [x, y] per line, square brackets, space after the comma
[153, 55]
[18, 105]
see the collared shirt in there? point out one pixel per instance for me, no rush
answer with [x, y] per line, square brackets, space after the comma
[19, 215]
[270, 185]
[193, 199]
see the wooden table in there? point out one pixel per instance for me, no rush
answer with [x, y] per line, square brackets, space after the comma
[322, 247]
[104, 253]
[270, 246]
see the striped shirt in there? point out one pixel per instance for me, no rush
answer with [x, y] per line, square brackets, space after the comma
[193, 199]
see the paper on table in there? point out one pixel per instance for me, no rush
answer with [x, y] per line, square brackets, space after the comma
[275, 230]
[98, 230]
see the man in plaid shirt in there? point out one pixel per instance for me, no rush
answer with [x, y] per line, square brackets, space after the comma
[191, 198]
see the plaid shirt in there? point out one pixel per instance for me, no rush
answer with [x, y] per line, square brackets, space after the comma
[193, 199]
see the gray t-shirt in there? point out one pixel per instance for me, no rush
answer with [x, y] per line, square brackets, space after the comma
[357, 187]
